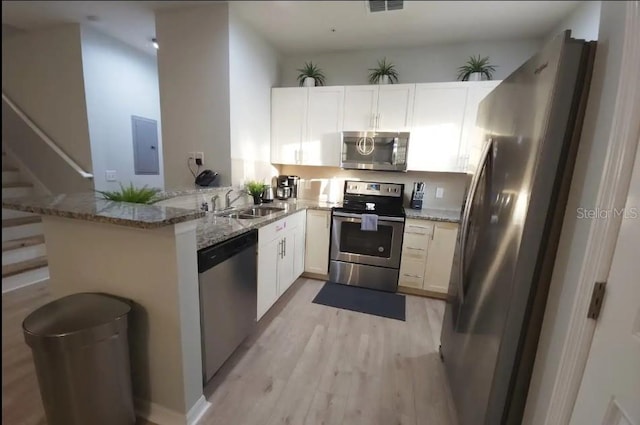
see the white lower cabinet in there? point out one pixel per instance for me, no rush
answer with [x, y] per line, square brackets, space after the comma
[317, 247]
[280, 258]
[427, 255]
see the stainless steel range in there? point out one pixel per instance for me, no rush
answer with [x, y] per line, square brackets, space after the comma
[366, 235]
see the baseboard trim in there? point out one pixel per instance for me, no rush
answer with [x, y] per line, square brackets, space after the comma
[315, 276]
[161, 415]
[421, 292]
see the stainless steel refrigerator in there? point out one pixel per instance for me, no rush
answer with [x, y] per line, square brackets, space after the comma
[509, 232]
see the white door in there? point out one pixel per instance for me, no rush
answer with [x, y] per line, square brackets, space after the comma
[395, 102]
[321, 146]
[610, 389]
[299, 249]
[440, 257]
[436, 126]
[288, 115]
[360, 105]
[317, 248]
[286, 263]
[470, 144]
[268, 257]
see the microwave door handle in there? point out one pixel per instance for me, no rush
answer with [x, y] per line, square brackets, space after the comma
[394, 153]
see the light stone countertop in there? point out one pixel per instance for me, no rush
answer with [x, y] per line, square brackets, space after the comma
[433, 214]
[91, 207]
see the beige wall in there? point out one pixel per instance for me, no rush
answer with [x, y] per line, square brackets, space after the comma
[42, 74]
[327, 183]
[193, 73]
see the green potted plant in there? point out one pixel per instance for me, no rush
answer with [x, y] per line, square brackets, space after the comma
[310, 75]
[255, 189]
[384, 73]
[476, 68]
[135, 195]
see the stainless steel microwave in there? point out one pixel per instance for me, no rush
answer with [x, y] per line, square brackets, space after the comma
[370, 150]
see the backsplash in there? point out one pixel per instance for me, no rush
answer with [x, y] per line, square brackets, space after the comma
[327, 184]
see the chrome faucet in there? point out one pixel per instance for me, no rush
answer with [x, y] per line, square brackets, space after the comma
[227, 198]
[214, 202]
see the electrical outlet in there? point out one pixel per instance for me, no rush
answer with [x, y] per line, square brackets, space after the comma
[439, 192]
[200, 156]
[110, 175]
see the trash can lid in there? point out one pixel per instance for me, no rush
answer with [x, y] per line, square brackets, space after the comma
[74, 313]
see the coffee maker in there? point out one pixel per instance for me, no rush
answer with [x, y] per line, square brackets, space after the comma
[287, 187]
[417, 194]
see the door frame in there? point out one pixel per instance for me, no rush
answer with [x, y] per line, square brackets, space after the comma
[623, 140]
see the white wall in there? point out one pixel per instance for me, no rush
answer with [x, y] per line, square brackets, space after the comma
[120, 81]
[327, 184]
[435, 63]
[583, 21]
[585, 186]
[193, 71]
[42, 74]
[253, 71]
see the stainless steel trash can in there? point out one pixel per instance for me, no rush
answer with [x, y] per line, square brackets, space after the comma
[81, 353]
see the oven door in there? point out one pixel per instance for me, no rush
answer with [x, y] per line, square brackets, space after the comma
[375, 248]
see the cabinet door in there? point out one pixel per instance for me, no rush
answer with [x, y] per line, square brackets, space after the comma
[288, 115]
[440, 257]
[268, 257]
[395, 103]
[436, 126]
[286, 264]
[471, 143]
[321, 145]
[299, 249]
[360, 107]
[317, 248]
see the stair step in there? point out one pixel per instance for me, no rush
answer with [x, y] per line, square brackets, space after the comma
[15, 184]
[16, 192]
[22, 242]
[12, 222]
[10, 213]
[9, 168]
[10, 176]
[24, 266]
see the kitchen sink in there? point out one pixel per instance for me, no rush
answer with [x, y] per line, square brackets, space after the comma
[261, 211]
[240, 216]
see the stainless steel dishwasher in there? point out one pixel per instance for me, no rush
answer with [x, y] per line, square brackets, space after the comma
[227, 279]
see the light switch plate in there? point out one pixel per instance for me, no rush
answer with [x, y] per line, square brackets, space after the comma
[439, 192]
[110, 175]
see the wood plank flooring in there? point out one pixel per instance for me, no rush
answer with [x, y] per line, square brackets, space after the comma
[307, 364]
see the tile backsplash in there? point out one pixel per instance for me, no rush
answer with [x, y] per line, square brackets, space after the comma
[327, 184]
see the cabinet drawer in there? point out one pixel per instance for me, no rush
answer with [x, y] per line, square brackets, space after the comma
[411, 273]
[417, 227]
[416, 243]
[268, 233]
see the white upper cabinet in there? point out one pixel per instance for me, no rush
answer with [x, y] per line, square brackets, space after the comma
[395, 104]
[360, 107]
[321, 146]
[438, 116]
[306, 123]
[380, 107]
[471, 143]
[288, 114]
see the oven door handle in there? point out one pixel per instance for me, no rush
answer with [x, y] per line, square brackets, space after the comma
[359, 216]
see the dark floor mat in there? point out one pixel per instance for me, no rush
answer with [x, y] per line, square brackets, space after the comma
[363, 300]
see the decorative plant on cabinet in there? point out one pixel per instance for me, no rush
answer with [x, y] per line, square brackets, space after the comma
[476, 68]
[310, 75]
[384, 73]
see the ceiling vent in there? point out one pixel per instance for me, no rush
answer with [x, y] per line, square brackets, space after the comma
[384, 5]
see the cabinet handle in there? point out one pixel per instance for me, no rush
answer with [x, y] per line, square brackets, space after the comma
[280, 249]
[412, 275]
[417, 249]
[284, 247]
[328, 221]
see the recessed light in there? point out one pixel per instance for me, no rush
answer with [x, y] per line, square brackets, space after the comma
[154, 42]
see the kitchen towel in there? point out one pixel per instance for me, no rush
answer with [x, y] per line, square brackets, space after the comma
[369, 223]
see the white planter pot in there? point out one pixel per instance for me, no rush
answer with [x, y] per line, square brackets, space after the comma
[384, 79]
[475, 76]
[309, 82]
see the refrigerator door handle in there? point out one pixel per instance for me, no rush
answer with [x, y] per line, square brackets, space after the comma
[464, 228]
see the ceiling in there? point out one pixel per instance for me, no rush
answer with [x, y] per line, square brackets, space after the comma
[314, 26]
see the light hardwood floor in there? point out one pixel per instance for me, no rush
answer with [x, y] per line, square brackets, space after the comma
[307, 364]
